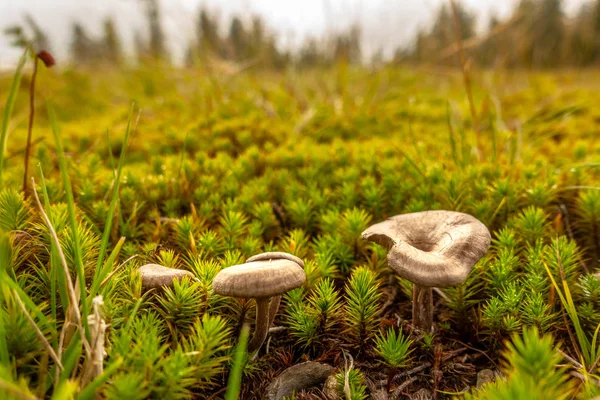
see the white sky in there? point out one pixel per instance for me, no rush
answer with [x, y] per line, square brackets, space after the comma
[386, 23]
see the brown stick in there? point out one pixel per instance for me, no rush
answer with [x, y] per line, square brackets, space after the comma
[422, 307]
[30, 126]
[37, 330]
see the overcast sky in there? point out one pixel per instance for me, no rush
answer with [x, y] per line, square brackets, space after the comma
[386, 23]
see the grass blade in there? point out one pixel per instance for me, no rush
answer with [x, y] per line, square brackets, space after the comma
[583, 345]
[10, 103]
[235, 376]
[72, 216]
[113, 201]
[103, 272]
[90, 390]
[4, 261]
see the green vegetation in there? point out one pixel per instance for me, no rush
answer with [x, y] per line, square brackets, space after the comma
[208, 169]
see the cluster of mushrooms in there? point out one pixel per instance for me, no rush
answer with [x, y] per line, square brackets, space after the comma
[430, 249]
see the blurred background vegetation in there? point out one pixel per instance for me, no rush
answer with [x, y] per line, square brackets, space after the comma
[536, 34]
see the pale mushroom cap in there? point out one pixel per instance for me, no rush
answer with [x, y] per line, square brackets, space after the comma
[432, 248]
[259, 279]
[154, 275]
[276, 255]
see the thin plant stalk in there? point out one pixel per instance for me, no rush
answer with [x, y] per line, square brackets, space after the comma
[30, 126]
[73, 220]
[234, 382]
[71, 288]
[38, 332]
[10, 103]
[114, 197]
[465, 72]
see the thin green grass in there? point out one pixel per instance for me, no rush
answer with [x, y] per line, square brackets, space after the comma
[8, 108]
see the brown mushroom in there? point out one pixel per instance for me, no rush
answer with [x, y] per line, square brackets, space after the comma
[261, 280]
[156, 276]
[431, 249]
[275, 255]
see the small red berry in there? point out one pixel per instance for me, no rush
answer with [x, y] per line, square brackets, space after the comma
[46, 58]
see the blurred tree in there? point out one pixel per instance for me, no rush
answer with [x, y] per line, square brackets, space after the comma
[83, 49]
[582, 45]
[209, 40]
[548, 31]
[488, 54]
[310, 55]
[112, 44]
[140, 45]
[156, 46]
[428, 45]
[347, 45]
[237, 40]
[443, 28]
[257, 44]
[19, 37]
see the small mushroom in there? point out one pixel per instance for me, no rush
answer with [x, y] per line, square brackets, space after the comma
[275, 255]
[262, 280]
[431, 249]
[156, 276]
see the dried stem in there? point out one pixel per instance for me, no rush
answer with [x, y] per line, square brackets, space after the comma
[38, 331]
[70, 288]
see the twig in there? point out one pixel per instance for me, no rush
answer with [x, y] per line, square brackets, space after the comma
[70, 288]
[414, 370]
[477, 350]
[38, 331]
[585, 378]
[570, 359]
[403, 386]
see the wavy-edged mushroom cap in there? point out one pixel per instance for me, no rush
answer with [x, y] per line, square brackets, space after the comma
[276, 255]
[259, 279]
[155, 276]
[432, 248]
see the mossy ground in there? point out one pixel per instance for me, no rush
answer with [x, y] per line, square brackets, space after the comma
[221, 167]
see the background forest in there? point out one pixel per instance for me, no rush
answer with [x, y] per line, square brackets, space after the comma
[537, 34]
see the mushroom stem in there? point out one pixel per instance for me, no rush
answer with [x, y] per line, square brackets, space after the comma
[273, 307]
[262, 324]
[422, 307]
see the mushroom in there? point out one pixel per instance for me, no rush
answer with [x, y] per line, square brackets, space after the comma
[155, 276]
[431, 249]
[263, 279]
[275, 255]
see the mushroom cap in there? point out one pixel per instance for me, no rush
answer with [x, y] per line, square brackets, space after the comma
[154, 275]
[259, 279]
[276, 255]
[432, 248]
